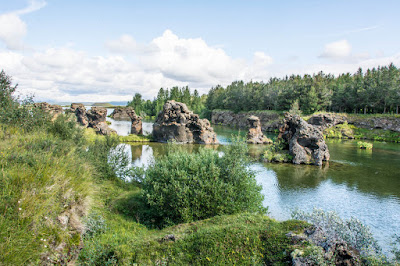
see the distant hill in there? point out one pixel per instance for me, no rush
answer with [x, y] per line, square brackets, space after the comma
[103, 104]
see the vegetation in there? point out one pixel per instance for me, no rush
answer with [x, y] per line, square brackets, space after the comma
[351, 231]
[375, 91]
[277, 153]
[69, 196]
[149, 108]
[348, 131]
[135, 138]
[184, 187]
[364, 145]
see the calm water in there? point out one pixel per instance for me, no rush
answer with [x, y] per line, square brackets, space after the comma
[360, 183]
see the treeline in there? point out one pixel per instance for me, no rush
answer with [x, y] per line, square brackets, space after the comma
[375, 91]
[144, 108]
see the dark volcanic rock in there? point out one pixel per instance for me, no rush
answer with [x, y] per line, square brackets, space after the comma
[270, 121]
[121, 113]
[94, 118]
[80, 112]
[324, 121]
[176, 123]
[53, 110]
[306, 142]
[255, 135]
[97, 120]
[136, 127]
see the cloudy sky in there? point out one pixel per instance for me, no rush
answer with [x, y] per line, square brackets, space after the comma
[108, 50]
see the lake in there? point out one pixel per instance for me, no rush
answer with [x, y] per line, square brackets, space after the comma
[361, 183]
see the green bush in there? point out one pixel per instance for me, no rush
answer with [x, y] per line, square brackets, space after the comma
[184, 187]
[17, 112]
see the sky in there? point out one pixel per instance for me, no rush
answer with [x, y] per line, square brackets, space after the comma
[108, 50]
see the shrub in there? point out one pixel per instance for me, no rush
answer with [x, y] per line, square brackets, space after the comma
[352, 231]
[184, 187]
[19, 113]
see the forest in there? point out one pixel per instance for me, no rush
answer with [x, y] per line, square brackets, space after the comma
[376, 90]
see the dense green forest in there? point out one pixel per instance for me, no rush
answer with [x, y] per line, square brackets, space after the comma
[151, 108]
[376, 90]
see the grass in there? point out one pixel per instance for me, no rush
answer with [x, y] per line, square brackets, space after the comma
[348, 131]
[135, 138]
[364, 145]
[43, 181]
[241, 239]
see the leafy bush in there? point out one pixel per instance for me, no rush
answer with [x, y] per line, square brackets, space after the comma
[17, 112]
[184, 187]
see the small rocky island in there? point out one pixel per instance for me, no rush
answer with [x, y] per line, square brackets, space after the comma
[177, 123]
[305, 142]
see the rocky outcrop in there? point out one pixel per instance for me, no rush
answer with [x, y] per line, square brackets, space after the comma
[255, 135]
[97, 120]
[94, 118]
[136, 127]
[53, 110]
[80, 112]
[327, 120]
[305, 142]
[385, 122]
[336, 251]
[121, 113]
[270, 121]
[176, 123]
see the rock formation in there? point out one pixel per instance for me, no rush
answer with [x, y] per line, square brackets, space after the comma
[255, 135]
[80, 112]
[53, 110]
[136, 127]
[94, 118]
[121, 113]
[305, 142]
[327, 120]
[270, 121]
[176, 123]
[97, 120]
[333, 250]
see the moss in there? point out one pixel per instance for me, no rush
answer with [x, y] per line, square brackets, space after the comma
[348, 131]
[364, 145]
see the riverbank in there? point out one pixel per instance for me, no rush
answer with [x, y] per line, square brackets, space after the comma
[380, 127]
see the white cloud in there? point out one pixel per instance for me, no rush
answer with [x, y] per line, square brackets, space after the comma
[67, 74]
[339, 49]
[13, 29]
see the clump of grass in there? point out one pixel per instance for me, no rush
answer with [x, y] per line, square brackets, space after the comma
[276, 153]
[364, 145]
[136, 138]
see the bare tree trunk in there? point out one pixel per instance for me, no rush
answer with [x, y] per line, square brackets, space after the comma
[397, 110]
[365, 109]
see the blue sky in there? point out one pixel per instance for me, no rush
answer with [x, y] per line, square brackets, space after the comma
[109, 50]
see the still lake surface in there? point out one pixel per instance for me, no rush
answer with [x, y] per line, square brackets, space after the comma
[355, 183]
